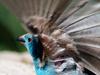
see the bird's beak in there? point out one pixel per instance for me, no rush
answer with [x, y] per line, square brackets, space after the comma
[21, 40]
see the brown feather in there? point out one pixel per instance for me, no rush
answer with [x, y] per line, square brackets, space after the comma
[67, 28]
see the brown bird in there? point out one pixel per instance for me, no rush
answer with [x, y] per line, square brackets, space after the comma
[66, 28]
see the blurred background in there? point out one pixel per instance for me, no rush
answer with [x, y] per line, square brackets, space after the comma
[10, 29]
[14, 60]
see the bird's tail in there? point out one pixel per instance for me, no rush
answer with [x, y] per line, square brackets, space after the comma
[85, 31]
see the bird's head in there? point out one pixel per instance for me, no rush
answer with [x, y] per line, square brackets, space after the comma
[30, 42]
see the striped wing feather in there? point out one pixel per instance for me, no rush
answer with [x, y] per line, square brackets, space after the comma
[80, 19]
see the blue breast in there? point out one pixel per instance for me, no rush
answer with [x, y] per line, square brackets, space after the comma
[47, 70]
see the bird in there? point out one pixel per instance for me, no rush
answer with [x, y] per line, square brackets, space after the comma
[62, 28]
[47, 67]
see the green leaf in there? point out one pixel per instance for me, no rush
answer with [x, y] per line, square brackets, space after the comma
[10, 29]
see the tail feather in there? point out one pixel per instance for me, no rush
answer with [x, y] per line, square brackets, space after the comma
[59, 9]
[87, 10]
[90, 62]
[77, 18]
[43, 4]
[88, 32]
[83, 22]
[88, 26]
[90, 49]
[75, 6]
[91, 40]
[89, 45]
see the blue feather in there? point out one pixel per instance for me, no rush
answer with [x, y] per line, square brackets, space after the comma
[46, 70]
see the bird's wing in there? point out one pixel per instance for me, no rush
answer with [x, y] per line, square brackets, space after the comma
[27, 10]
[77, 18]
[84, 28]
[53, 12]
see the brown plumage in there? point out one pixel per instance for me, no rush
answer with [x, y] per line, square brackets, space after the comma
[70, 25]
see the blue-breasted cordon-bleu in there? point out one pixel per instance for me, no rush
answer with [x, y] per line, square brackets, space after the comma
[63, 35]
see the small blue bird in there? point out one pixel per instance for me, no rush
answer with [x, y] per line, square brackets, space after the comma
[60, 29]
[35, 48]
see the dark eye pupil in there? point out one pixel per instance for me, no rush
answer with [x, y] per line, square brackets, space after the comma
[29, 39]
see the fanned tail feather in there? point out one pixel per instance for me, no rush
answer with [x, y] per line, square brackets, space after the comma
[80, 19]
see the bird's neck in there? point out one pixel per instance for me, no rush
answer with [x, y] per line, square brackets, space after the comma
[36, 63]
[38, 70]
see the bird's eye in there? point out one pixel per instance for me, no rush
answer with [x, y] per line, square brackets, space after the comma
[29, 40]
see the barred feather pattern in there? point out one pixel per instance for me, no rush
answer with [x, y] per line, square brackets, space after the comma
[66, 24]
